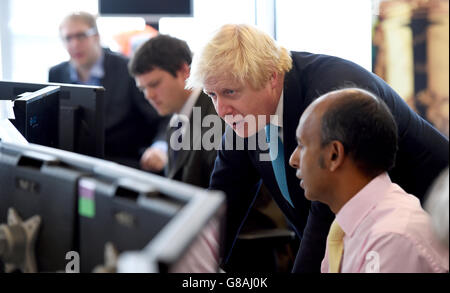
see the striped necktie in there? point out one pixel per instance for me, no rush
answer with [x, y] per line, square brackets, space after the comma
[277, 157]
[335, 245]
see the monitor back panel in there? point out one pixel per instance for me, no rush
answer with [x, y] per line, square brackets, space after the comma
[37, 119]
[108, 217]
[32, 187]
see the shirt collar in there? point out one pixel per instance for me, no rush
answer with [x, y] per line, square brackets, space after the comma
[190, 102]
[97, 71]
[186, 110]
[357, 208]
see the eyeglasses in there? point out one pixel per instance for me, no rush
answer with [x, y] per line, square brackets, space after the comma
[80, 36]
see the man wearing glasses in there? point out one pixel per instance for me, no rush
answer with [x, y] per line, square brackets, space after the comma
[131, 123]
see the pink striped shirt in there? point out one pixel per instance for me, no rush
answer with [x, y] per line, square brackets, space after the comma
[387, 231]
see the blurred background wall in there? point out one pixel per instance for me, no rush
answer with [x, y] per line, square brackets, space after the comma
[405, 42]
[411, 53]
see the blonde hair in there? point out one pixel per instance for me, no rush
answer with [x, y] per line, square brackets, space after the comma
[241, 52]
[80, 16]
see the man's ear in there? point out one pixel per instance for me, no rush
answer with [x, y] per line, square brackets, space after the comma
[335, 155]
[184, 70]
[274, 79]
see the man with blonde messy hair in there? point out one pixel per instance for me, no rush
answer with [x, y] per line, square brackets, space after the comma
[248, 75]
[236, 54]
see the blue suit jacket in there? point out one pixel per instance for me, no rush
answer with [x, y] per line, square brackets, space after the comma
[423, 153]
[131, 123]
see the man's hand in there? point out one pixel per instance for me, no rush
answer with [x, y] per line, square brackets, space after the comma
[154, 159]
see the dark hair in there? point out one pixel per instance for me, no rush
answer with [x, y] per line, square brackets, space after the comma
[163, 51]
[366, 128]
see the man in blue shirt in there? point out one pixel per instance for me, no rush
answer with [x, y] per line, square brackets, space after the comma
[131, 123]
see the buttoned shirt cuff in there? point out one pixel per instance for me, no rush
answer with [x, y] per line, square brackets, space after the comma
[161, 145]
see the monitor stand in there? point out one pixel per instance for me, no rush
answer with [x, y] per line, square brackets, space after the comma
[17, 243]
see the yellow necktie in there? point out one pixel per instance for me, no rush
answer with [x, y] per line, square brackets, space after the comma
[335, 247]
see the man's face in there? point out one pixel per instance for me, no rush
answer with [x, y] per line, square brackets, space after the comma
[308, 157]
[165, 92]
[240, 105]
[81, 42]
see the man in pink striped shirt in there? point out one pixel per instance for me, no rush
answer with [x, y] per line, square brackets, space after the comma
[347, 141]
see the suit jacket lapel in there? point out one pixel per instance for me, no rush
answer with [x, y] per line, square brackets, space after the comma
[65, 78]
[108, 82]
[183, 155]
[292, 110]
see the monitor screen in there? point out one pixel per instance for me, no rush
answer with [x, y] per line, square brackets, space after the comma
[36, 116]
[81, 114]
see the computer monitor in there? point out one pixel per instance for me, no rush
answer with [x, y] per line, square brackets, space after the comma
[190, 243]
[191, 222]
[36, 116]
[134, 212]
[86, 203]
[37, 184]
[150, 10]
[81, 114]
[161, 220]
